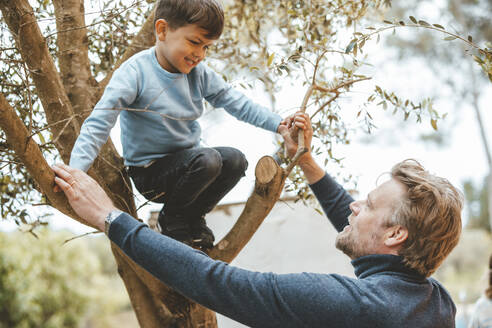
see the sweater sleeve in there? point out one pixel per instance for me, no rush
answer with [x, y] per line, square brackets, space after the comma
[252, 298]
[120, 92]
[334, 200]
[220, 94]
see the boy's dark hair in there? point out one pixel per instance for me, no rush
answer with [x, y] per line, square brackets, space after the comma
[207, 14]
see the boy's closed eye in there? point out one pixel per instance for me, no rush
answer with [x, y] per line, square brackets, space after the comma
[198, 42]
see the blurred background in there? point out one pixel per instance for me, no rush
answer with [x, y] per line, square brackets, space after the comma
[50, 279]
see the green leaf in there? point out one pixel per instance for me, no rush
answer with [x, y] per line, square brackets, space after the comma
[423, 23]
[253, 68]
[434, 124]
[402, 23]
[413, 19]
[490, 77]
[388, 22]
[270, 59]
[439, 26]
[450, 38]
[41, 138]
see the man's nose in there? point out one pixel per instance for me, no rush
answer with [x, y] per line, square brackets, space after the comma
[355, 208]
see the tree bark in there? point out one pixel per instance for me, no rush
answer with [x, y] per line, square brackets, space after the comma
[73, 56]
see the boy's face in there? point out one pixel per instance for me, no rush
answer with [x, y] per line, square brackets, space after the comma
[180, 50]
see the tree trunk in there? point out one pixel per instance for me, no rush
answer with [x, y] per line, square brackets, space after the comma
[67, 97]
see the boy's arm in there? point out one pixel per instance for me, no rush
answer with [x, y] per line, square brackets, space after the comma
[119, 93]
[220, 94]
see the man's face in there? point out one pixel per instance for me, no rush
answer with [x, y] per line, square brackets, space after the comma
[180, 50]
[366, 230]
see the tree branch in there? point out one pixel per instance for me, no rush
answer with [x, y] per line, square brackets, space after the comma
[34, 51]
[29, 153]
[270, 179]
[73, 54]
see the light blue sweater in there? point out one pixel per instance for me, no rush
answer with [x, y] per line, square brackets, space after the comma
[172, 103]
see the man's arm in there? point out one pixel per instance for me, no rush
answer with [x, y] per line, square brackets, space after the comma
[253, 298]
[332, 197]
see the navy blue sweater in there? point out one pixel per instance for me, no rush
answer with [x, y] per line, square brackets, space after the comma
[384, 294]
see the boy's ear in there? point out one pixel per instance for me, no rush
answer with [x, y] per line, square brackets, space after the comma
[395, 236]
[161, 27]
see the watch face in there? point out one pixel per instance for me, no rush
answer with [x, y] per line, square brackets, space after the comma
[109, 219]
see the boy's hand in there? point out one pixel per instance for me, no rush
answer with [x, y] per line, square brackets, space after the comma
[84, 194]
[290, 129]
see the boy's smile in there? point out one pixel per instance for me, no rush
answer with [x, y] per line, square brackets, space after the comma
[181, 49]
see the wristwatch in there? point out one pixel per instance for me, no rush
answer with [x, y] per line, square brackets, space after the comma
[110, 218]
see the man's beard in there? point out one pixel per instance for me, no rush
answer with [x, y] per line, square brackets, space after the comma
[353, 246]
[347, 245]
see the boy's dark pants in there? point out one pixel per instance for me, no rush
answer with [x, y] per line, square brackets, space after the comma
[192, 181]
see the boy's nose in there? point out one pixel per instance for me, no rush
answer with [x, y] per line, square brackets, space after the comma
[199, 54]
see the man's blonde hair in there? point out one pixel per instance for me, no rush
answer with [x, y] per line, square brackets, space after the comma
[431, 211]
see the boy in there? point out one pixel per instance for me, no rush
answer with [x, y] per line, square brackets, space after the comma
[161, 143]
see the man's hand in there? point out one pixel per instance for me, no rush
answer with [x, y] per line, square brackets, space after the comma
[290, 131]
[84, 194]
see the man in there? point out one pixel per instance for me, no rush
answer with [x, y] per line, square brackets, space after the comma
[396, 239]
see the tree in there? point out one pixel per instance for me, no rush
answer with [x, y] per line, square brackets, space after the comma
[53, 77]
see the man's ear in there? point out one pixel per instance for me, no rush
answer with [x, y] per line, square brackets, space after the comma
[395, 236]
[161, 28]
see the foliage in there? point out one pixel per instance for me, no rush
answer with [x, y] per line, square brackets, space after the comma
[44, 283]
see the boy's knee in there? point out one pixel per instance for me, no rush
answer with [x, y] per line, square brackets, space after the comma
[235, 161]
[209, 161]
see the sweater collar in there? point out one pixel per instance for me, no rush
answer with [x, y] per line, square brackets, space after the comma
[368, 265]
